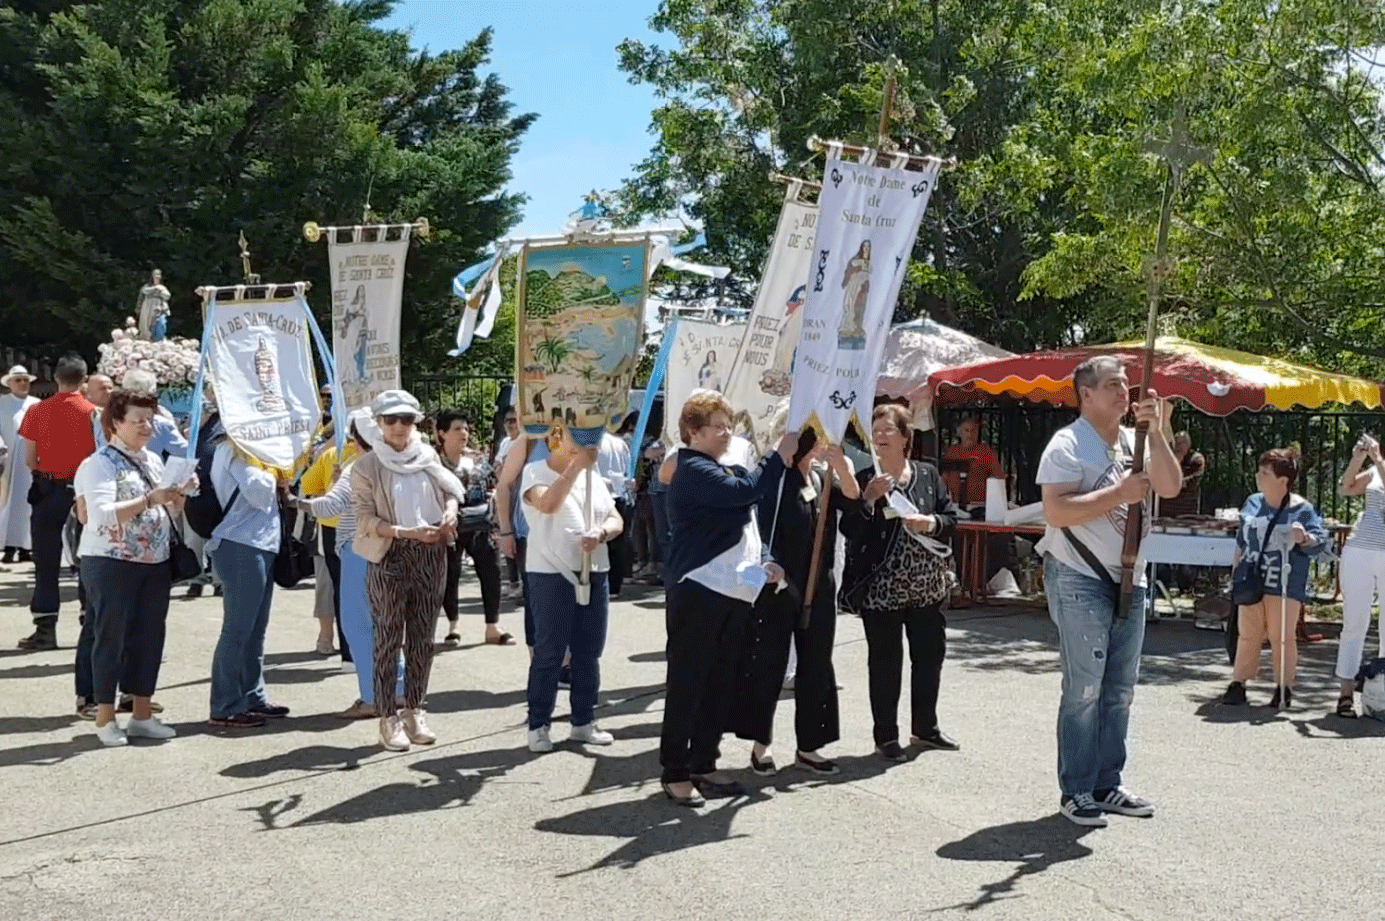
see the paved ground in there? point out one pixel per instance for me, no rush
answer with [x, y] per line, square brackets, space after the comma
[1261, 816]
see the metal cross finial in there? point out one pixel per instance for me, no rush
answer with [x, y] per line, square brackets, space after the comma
[250, 277]
[1178, 151]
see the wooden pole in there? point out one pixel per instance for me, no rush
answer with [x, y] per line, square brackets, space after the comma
[815, 564]
[1178, 153]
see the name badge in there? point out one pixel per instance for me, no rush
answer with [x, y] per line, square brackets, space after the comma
[808, 493]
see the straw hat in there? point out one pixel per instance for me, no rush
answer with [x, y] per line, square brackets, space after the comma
[18, 371]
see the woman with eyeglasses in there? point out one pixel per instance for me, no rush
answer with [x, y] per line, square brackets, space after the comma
[716, 568]
[406, 504]
[124, 553]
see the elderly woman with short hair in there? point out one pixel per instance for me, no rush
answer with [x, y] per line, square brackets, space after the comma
[124, 551]
[406, 505]
[715, 570]
[897, 581]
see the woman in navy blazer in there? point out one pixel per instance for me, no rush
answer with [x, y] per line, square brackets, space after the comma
[714, 566]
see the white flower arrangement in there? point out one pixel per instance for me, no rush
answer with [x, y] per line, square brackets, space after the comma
[173, 362]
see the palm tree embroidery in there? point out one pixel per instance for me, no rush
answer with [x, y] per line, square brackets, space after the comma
[552, 351]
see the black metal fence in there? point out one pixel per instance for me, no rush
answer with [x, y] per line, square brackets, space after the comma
[478, 397]
[1232, 446]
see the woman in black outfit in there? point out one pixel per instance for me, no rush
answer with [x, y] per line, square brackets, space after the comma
[778, 616]
[713, 574]
[896, 583]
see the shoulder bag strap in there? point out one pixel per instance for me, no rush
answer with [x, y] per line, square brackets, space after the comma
[1088, 556]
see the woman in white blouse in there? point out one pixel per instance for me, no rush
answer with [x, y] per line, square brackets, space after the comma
[1363, 566]
[565, 524]
[406, 505]
[124, 560]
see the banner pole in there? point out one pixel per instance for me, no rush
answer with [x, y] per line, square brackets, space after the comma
[651, 392]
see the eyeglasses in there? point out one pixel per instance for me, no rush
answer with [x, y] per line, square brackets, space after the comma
[398, 419]
[511, 421]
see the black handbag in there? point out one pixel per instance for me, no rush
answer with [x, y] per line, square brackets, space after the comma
[1247, 581]
[183, 564]
[294, 561]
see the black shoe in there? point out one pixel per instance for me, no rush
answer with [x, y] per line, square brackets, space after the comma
[692, 800]
[1288, 698]
[822, 766]
[938, 741]
[1235, 695]
[8, 558]
[194, 590]
[891, 751]
[236, 721]
[269, 711]
[42, 639]
[216, 591]
[25, 556]
[764, 768]
[713, 790]
[1346, 708]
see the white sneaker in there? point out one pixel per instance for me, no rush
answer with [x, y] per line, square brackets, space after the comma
[392, 734]
[590, 734]
[149, 729]
[111, 734]
[539, 741]
[417, 729]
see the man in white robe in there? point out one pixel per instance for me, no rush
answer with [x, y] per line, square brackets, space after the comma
[14, 485]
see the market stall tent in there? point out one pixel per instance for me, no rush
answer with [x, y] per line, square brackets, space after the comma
[1218, 381]
[916, 350]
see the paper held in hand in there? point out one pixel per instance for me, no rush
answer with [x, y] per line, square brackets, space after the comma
[177, 471]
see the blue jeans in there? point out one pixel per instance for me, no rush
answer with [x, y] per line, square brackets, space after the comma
[560, 625]
[247, 578]
[1100, 659]
[358, 627]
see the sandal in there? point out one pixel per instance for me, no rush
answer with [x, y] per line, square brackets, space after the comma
[503, 639]
[1345, 708]
[452, 640]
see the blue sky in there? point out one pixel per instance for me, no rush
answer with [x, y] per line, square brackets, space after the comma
[558, 58]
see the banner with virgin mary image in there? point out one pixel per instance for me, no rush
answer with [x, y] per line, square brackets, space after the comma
[868, 217]
[579, 331]
[259, 361]
[699, 357]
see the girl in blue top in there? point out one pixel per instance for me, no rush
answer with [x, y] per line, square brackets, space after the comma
[1284, 544]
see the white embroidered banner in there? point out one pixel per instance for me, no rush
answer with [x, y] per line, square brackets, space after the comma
[260, 364]
[699, 359]
[760, 374]
[367, 292]
[869, 217]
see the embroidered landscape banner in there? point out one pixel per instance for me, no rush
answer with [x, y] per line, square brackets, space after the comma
[259, 361]
[367, 294]
[868, 219]
[698, 359]
[579, 316]
[760, 373]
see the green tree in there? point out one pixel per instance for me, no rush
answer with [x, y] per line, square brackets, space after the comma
[1041, 232]
[149, 133]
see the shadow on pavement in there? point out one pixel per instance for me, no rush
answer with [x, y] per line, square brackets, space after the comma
[654, 825]
[308, 758]
[1035, 845]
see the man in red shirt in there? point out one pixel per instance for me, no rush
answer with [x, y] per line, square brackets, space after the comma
[966, 466]
[60, 438]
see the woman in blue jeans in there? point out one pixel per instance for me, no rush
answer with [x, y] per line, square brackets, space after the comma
[356, 625]
[571, 514]
[243, 547]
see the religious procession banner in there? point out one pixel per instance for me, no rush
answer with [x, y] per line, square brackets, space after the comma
[579, 330]
[259, 361]
[760, 372]
[868, 219]
[699, 357]
[367, 293]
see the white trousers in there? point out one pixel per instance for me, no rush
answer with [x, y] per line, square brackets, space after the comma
[1363, 581]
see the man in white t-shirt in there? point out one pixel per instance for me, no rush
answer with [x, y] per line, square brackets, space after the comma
[1087, 492]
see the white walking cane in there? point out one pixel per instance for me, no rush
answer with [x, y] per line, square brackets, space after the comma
[584, 582]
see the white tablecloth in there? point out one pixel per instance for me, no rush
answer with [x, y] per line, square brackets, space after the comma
[1189, 549]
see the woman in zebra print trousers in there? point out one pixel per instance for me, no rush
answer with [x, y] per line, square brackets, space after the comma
[406, 505]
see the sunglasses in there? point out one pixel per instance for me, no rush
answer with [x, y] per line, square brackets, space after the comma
[398, 419]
